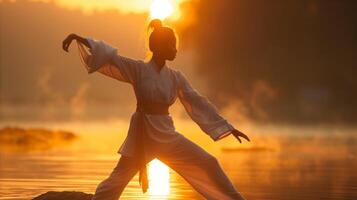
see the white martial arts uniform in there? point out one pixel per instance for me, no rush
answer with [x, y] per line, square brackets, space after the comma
[195, 165]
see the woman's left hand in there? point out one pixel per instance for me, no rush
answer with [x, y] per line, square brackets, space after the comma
[238, 134]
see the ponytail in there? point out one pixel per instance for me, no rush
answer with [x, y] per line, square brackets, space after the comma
[155, 24]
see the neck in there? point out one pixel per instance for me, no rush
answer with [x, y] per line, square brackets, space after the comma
[160, 63]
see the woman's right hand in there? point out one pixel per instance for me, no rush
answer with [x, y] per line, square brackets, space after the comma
[67, 42]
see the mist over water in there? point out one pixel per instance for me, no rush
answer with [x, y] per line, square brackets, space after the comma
[302, 164]
[281, 72]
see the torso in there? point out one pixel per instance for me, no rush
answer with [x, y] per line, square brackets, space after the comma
[156, 86]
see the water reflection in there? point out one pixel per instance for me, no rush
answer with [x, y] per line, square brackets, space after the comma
[159, 179]
[300, 168]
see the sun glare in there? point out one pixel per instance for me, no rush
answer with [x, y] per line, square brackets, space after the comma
[161, 9]
[159, 178]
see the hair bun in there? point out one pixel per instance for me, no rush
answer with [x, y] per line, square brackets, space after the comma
[155, 24]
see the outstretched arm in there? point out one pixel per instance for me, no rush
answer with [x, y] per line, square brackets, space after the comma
[104, 58]
[68, 40]
[204, 113]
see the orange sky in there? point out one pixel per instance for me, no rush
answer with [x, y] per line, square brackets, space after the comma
[49, 84]
[128, 6]
[37, 73]
[285, 74]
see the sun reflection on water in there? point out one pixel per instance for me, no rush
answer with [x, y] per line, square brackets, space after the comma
[159, 179]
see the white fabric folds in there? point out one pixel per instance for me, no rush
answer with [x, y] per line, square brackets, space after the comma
[163, 86]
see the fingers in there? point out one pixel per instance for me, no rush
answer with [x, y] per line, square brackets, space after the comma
[236, 136]
[67, 45]
[64, 46]
[237, 133]
[245, 137]
[67, 42]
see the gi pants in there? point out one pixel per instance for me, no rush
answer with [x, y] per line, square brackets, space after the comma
[200, 169]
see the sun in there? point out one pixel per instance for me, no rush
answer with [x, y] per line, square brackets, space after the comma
[161, 9]
[159, 179]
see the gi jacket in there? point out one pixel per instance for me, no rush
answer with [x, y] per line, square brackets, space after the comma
[162, 86]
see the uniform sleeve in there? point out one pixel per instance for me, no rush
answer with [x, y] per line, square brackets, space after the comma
[105, 59]
[202, 111]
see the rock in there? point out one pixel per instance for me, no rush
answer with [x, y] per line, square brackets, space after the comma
[65, 195]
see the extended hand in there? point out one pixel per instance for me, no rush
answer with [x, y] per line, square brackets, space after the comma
[238, 134]
[66, 42]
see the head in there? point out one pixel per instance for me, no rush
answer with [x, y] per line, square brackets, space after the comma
[162, 41]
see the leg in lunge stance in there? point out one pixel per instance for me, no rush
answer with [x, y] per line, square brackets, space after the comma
[112, 187]
[201, 170]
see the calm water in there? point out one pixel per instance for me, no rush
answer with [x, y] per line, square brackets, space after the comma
[296, 168]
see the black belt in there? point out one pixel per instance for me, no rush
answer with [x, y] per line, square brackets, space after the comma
[149, 108]
[153, 108]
